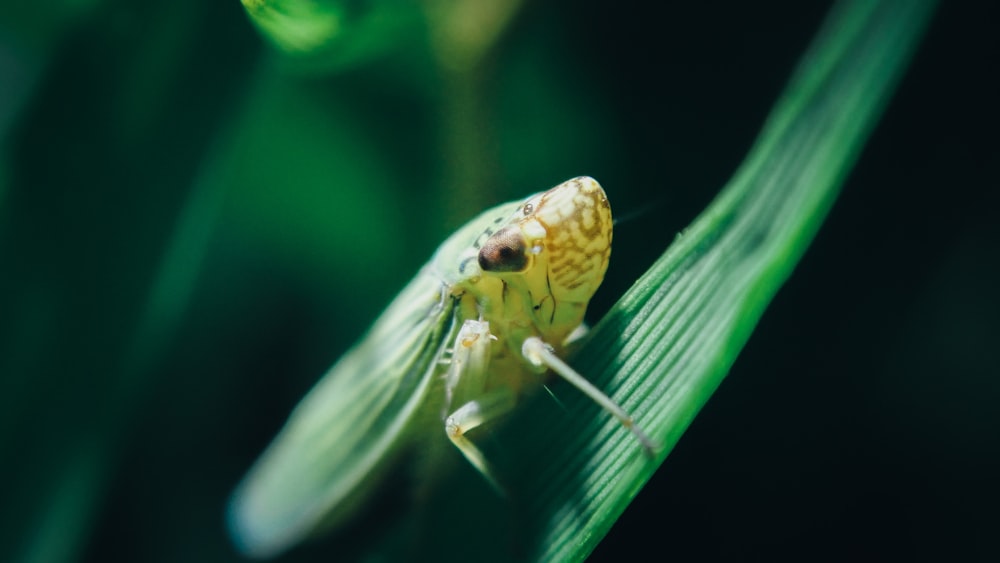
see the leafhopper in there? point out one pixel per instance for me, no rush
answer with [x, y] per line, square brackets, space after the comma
[476, 330]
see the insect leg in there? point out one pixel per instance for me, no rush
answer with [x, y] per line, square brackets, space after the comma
[470, 356]
[469, 416]
[466, 382]
[540, 354]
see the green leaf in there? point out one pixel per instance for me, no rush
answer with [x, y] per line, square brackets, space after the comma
[664, 348]
[335, 32]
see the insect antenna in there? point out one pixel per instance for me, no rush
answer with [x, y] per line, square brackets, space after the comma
[658, 203]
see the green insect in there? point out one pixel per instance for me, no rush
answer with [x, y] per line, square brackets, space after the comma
[474, 331]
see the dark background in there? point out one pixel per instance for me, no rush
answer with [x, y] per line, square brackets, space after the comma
[193, 228]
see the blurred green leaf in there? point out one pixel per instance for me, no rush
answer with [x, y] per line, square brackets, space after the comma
[295, 25]
[39, 25]
[336, 33]
[102, 233]
[308, 175]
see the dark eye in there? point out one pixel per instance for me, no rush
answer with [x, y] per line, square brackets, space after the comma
[528, 209]
[504, 252]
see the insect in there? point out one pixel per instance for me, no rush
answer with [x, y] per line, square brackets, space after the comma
[475, 330]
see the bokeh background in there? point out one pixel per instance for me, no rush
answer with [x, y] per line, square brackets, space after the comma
[193, 226]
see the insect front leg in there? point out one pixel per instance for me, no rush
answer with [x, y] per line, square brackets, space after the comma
[470, 358]
[465, 384]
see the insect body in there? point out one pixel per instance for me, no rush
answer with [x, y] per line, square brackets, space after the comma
[474, 331]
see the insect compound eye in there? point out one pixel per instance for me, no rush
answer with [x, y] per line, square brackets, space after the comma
[505, 251]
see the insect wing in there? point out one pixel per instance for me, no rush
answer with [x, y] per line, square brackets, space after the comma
[347, 429]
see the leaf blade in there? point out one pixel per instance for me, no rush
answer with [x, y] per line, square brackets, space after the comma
[675, 334]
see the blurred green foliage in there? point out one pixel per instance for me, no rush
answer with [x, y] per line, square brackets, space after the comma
[194, 224]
